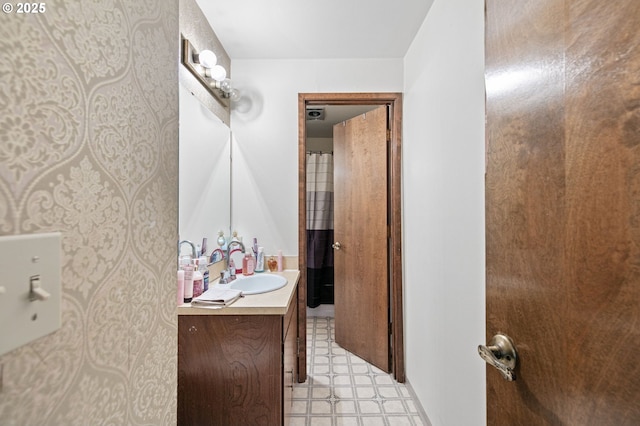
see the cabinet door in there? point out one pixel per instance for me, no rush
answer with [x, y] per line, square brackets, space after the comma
[229, 370]
[290, 357]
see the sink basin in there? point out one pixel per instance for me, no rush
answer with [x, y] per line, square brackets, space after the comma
[256, 284]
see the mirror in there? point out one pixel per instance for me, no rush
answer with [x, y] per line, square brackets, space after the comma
[204, 174]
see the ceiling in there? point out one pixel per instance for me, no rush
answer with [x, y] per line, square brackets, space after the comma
[334, 114]
[326, 29]
[320, 29]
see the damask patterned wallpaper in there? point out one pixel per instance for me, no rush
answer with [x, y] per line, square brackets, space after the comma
[89, 148]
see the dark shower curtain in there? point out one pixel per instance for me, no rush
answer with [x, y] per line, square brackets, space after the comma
[319, 229]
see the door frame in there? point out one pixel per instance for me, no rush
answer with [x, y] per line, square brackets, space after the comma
[394, 100]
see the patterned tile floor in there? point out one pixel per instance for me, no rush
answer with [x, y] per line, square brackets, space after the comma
[342, 389]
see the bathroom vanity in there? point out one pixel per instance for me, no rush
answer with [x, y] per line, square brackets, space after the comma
[237, 365]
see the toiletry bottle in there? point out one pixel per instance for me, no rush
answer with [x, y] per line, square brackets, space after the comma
[180, 287]
[245, 259]
[188, 283]
[247, 264]
[198, 281]
[255, 247]
[280, 261]
[202, 267]
[272, 263]
[252, 264]
[260, 260]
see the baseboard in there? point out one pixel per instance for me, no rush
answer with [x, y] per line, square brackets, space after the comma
[421, 412]
[321, 311]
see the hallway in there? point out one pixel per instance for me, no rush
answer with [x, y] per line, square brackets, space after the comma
[343, 389]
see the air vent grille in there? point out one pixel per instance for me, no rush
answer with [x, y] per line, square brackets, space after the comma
[315, 114]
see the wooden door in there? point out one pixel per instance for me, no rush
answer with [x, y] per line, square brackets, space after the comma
[361, 283]
[563, 209]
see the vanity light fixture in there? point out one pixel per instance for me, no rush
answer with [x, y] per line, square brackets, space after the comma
[213, 76]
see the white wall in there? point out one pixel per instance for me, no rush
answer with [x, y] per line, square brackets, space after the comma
[444, 213]
[320, 144]
[265, 136]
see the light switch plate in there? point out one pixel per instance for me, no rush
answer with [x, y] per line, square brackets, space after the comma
[27, 260]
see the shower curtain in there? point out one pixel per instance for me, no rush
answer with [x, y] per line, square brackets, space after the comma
[319, 229]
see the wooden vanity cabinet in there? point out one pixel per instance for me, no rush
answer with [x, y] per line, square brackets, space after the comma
[290, 358]
[236, 369]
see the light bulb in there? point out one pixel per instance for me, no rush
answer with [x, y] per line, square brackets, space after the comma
[225, 85]
[234, 95]
[207, 59]
[218, 73]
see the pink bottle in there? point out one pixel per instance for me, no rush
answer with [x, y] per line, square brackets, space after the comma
[180, 287]
[248, 264]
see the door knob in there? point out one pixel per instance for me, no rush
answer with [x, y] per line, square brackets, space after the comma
[336, 245]
[501, 353]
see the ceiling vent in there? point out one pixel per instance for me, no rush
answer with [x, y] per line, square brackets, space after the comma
[315, 113]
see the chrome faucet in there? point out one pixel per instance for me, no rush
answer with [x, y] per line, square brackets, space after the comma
[227, 275]
[233, 243]
[194, 255]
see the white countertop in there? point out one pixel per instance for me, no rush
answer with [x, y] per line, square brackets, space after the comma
[273, 303]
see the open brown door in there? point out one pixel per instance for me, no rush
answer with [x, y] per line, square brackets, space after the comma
[563, 210]
[361, 283]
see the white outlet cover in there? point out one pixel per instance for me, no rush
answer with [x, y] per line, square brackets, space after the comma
[23, 257]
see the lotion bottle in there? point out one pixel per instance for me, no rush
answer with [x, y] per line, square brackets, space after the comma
[202, 267]
[198, 281]
[252, 264]
[260, 260]
[188, 283]
[280, 261]
[180, 287]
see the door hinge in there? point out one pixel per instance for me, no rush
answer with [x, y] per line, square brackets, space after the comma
[388, 135]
